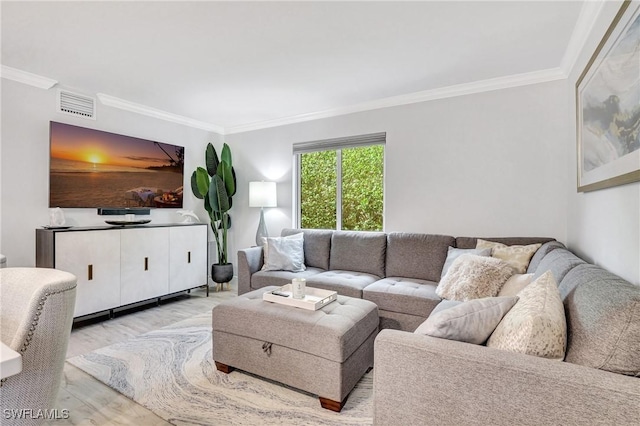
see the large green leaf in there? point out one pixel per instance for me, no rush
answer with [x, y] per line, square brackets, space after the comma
[202, 181]
[226, 155]
[218, 198]
[225, 173]
[211, 159]
[194, 186]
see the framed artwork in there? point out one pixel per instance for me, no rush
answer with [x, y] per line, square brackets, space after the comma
[608, 106]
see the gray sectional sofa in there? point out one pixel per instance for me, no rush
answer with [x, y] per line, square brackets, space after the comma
[397, 271]
[423, 380]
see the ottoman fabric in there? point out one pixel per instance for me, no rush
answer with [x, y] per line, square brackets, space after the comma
[324, 352]
[333, 332]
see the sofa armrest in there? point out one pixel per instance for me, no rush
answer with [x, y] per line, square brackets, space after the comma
[250, 261]
[420, 380]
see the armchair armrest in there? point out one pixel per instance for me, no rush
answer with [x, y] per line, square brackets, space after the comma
[250, 261]
[420, 380]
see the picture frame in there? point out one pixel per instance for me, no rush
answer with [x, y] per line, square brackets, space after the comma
[608, 106]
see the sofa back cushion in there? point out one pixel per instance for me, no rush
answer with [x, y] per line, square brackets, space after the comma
[358, 251]
[317, 246]
[470, 242]
[419, 256]
[603, 320]
[541, 253]
[559, 261]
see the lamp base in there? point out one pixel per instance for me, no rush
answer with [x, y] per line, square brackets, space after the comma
[262, 229]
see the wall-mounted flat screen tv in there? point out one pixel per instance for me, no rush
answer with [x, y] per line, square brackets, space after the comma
[92, 168]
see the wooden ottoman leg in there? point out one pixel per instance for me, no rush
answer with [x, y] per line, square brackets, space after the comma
[226, 369]
[330, 404]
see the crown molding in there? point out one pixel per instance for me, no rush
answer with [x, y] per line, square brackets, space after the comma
[584, 25]
[114, 102]
[24, 77]
[506, 82]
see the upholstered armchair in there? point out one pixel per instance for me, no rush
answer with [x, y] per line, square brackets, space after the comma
[36, 314]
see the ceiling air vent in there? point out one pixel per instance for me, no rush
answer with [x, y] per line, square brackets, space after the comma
[75, 104]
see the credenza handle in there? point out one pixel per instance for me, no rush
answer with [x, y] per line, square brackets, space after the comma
[188, 257]
[90, 272]
[146, 263]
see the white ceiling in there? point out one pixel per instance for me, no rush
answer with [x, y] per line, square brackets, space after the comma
[243, 64]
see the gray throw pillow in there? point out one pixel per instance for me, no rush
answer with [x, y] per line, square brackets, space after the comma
[285, 254]
[453, 253]
[470, 322]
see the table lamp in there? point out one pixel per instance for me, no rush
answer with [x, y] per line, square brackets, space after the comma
[262, 194]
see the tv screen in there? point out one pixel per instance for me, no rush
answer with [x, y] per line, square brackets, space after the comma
[91, 168]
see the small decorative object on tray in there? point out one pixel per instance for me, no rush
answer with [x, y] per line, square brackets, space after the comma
[314, 298]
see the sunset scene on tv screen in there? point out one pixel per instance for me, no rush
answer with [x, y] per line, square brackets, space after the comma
[92, 168]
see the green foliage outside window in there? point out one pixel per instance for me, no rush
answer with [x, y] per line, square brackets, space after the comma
[362, 189]
[318, 190]
[362, 184]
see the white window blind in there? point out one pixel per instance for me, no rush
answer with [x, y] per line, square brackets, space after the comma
[339, 143]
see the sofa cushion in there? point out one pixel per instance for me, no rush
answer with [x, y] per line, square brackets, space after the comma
[346, 283]
[317, 246]
[559, 262]
[541, 253]
[518, 256]
[474, 277]
[536, 325]
[416, 255]
[264, 278]
[454, 253]
[472, 321]
[403, 295]
[603, 318]
[359, 252]
[471, 242]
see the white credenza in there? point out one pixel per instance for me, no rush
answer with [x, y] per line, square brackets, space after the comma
[118, 266]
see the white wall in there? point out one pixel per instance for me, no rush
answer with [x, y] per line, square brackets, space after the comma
[488, 164]
[603, 225]
[26, 112]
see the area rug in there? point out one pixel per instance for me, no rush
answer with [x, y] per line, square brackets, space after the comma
[171, 372]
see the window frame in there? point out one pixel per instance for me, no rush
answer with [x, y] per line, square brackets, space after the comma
[337, 144]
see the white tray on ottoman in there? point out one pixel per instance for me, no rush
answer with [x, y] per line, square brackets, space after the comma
[314, 298]
[323, 352]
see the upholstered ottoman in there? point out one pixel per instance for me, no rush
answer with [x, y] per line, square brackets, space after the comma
[323, 352]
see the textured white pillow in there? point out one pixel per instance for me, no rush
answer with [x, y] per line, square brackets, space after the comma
[265, 246]
[285, 254]
[454, 253]
[515, 284]
[471, 322]
[517, 256]
[536, 325]
[474, 277]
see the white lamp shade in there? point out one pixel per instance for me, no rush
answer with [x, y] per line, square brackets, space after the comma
[262, 194]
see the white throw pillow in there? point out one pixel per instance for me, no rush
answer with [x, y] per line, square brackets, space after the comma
[284, 254]
[471, 322]
[517, 256]
[536, 325]
[265, 246]
[474, 277]
[454, 253]
[515, 284]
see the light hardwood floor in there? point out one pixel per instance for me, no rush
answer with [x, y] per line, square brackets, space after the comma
[88, 401]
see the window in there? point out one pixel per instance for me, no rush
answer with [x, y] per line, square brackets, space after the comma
[341, 183]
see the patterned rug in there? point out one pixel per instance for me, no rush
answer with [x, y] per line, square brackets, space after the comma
[171, 372]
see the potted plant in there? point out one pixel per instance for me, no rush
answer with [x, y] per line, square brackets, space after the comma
[216, 185]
